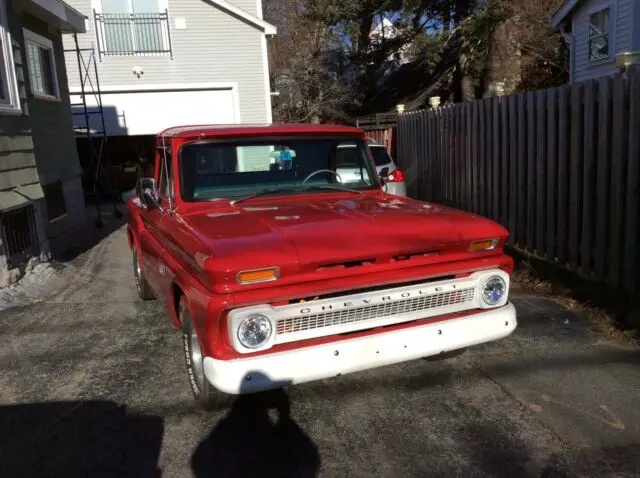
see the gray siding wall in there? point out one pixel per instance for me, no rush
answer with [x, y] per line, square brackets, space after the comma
[635, 42]
[17, 157]
[51, 123]
[54, 145]
[621, 38]
[215, 47]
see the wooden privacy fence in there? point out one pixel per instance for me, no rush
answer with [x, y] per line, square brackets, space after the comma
[385, 137]
[559, 168]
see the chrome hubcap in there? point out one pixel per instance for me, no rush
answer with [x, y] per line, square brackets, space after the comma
[136, 269]
[196, 358]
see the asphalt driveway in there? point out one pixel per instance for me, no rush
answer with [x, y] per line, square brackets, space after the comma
[92, 383]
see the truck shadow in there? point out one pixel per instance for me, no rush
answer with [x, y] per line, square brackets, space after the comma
[78, 438]
[257, 438]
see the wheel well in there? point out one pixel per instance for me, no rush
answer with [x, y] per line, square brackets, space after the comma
[130, 238]
[176, 295]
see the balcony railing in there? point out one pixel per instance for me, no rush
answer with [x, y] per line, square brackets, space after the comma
[133, 34]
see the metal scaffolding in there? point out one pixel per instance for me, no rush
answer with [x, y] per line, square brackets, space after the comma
[97, 139]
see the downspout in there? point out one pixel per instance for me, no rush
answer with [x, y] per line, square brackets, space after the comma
[568, 37]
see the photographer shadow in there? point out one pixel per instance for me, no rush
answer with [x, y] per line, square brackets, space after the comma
[78, 439]
[257, 438]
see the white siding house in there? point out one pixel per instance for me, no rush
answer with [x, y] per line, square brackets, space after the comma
[162, 63]
[603, 35]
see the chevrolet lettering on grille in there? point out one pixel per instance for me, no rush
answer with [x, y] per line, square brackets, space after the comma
[377, 300]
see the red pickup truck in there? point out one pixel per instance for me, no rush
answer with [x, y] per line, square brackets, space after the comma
[280, 270]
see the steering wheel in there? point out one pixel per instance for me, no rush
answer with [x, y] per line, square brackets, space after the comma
[321, 171]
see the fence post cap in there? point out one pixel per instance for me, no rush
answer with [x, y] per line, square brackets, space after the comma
[400, 108]
[434, 101]
[626, 59]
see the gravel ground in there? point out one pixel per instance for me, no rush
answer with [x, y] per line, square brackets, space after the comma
[92, 384]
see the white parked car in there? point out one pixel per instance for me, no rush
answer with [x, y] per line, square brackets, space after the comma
[386, 167]
[394, 176]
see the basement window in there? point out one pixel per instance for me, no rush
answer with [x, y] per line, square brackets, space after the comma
[18, 234]
[599, 27]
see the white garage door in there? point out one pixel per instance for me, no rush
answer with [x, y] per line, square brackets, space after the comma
[150, 111]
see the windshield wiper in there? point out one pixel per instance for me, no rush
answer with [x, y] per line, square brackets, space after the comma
[260, 193]
[294, 189]
[333, 188]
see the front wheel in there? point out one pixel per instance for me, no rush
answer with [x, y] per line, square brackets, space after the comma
[205, 394]
[142, 286]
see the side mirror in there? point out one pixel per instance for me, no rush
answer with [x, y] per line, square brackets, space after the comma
[147, 191]
[384, 172]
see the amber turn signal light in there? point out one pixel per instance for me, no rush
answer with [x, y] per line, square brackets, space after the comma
[483, 245]
[258, 275]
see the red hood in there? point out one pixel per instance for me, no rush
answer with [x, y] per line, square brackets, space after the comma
[304, 234]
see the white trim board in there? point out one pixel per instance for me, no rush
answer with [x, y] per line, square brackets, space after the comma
[162, 87]
[258, 22]
[267, 83]
[10, 105]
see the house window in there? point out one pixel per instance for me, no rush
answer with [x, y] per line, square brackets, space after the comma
[9, 100]
[133, 27]
[41, 64]
[54, 198]
[599, 27]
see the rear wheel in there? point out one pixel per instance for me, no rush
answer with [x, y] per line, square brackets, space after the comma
[142, 286]
[205, 394]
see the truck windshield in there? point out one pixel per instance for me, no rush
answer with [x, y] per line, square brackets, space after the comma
[227, 170]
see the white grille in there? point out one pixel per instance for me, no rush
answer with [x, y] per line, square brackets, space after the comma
[372, 312]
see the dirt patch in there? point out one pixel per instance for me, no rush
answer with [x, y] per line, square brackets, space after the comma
[609, 312]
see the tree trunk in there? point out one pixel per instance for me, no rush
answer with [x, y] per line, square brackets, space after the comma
[463, 84]
[504, 65]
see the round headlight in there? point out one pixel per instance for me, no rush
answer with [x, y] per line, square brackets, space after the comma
[494, 290]
[254, 331]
